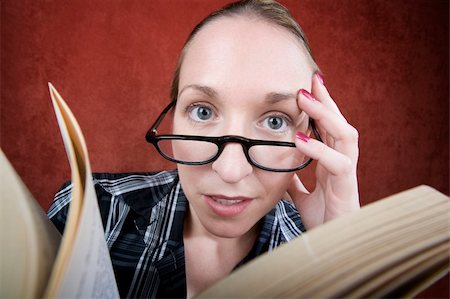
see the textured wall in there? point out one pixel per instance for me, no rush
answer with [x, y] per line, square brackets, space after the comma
[385, 63]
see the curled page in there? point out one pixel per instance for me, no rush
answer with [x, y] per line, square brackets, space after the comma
[392, 248]
[83, 266]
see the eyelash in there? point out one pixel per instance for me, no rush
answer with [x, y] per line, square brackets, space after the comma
[286, 119]
[189, 108]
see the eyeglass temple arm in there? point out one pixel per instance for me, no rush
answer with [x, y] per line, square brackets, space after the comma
[152, 131]
[314, 129]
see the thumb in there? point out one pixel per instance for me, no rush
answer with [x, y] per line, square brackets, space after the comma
[297, 190]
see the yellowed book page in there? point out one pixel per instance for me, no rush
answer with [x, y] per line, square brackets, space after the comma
[76, 203]
[354, 254]
[29, 241]
[87, 270]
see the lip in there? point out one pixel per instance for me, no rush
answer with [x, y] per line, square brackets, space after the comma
[232, 210]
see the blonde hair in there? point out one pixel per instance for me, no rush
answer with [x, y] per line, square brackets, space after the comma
[267, 10]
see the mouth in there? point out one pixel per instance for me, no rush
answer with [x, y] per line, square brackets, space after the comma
[225, 206]
[227, 202]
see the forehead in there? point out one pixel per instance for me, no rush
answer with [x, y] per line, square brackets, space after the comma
[246, 54]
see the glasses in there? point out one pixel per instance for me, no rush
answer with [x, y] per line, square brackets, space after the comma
[275, 156]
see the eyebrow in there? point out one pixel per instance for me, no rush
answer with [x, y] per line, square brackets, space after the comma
[275, 97]
[271, 98]
[204, 89]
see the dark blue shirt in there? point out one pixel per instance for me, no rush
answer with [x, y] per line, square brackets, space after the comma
[143, 216]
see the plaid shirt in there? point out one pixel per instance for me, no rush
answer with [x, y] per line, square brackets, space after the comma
[143, 216]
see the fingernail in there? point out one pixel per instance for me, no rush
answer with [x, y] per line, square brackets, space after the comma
[320, 77]
[307, 95]
[302, 136]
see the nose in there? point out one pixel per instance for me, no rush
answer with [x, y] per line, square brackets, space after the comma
[232, 165]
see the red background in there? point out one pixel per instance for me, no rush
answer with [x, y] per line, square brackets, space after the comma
[385, 63]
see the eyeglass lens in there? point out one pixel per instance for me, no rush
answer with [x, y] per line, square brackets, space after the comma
[269, 156]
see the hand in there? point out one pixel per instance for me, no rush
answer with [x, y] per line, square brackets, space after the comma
[336, 190]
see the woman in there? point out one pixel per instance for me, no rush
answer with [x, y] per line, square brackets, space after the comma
[247, 100]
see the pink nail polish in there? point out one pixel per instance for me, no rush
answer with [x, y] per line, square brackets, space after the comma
[320, 77]
[307, 94]
[302, 136]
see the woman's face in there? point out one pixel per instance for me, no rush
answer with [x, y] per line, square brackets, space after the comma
[239, 76]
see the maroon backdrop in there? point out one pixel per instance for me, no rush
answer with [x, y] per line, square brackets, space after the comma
[385, 63]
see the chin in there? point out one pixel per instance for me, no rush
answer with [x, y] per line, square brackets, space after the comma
[229, 230]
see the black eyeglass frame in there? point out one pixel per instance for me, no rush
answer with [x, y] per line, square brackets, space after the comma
[153, 138]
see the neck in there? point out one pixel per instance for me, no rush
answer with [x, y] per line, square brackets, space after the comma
[210, 257]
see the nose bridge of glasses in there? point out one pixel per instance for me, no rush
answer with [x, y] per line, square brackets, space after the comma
[234, 139]
[236, 144]
[231, 141]
[232, 162]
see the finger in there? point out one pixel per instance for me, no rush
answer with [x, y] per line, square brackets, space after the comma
[332, 122]
[344, 135]
[321, 93]
[332, 160]
[296, 189]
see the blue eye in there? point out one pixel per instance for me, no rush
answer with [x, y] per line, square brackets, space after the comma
[275, 123]
[201, 113]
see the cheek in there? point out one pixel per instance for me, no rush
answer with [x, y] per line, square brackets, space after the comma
[275, 184]
[181, 151]
[269, 186]
[193, 150]
[188, 176]
[193, 179]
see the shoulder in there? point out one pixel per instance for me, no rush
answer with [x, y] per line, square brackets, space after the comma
[122, 183]
[128, 189]
[133, 187]
[282, 224]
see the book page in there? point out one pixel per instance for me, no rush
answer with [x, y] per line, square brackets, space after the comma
[83, 268]
[29, 241]
[394, 247]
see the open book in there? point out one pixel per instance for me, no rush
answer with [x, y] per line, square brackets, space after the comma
[394, 247]
[39, 262]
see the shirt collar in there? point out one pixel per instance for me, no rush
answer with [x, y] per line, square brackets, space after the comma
[142, 201]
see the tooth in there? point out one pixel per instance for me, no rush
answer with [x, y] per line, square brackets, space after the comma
[227, 202]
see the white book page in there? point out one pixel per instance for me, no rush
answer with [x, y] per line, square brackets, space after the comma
[85, 267]
[89, 273]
